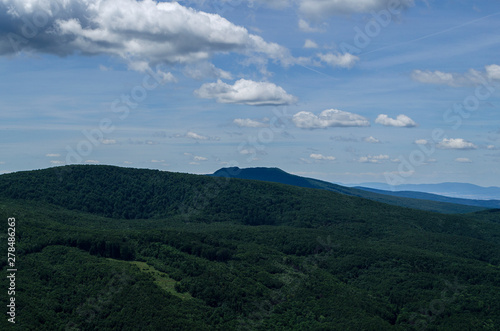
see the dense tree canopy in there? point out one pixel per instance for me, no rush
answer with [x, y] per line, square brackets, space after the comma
[248, 255]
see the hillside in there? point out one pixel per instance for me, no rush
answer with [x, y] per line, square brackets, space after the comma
[205, 253]
[279, 176]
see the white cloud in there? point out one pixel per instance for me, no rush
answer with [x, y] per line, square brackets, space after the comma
[52, 155]
[371, 140]
[421, 142]
[310, 44]
[199, 158]
[457, 143]
[157, 161]
[246, 92]
[206, 69]
[127, 162]
[305, 27]
[109, 141]
[373, 158]
[493, 71]
[470, 78]
[249, 123]
[400, 121]
[56, 162]
[318, 9]
[434, 77]
[491, 147]
[143, 32]
[92, 162]
[463, 160]
[194, 135]
[345, 60]
[322, 157]
[328, 118]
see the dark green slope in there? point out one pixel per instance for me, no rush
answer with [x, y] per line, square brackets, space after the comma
[279, 176]
[311, 259]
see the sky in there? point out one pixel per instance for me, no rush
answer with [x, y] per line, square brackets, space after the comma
[348, 91]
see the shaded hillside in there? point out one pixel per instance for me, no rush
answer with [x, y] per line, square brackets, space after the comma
[279, 176]
[311, 259]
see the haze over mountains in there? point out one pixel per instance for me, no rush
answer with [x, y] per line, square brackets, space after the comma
[455, 190]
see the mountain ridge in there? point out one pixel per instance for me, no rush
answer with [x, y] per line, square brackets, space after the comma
[280, 176]
[448, 189]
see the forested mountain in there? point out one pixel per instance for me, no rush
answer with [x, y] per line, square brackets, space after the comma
[276, 175]
[106, 248]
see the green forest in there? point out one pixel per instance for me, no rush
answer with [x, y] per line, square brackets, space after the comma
[109, 248]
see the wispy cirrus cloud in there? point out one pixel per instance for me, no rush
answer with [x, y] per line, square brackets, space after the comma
[320, 9]
[470, 78]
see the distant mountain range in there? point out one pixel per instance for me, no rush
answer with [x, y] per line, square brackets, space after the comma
[454, 190]
[417, 200]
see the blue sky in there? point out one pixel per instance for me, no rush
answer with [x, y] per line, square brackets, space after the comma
[347, 91]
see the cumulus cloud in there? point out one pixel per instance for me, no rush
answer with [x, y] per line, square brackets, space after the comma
[310, 44]
[373, 158]
[199, 158]
[400, 121]
[318, 9]
[246, 92]
[493, 71]
[345, 60]
[320, 157]
[328, 118]
[455, 143]
[463, 160]
[195, 136]
[248, 123]
[434, 77]
[144, 33]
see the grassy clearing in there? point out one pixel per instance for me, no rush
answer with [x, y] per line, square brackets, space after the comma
[160, 278]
